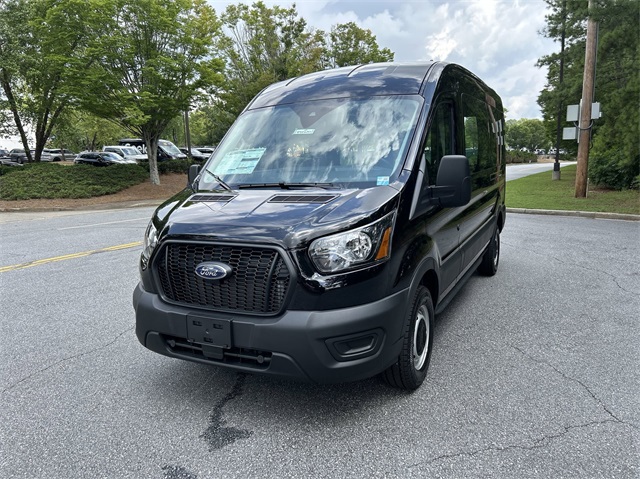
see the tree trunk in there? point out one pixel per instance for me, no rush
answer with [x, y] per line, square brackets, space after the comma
[6, 86]
[151, 142]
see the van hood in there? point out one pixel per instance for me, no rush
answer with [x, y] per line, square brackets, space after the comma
[290, 218]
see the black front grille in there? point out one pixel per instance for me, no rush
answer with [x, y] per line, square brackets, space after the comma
[258, 283]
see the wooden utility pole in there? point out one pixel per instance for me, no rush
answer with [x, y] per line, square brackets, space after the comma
[584, 133]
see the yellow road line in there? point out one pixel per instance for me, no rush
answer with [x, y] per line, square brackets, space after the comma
[65, 257]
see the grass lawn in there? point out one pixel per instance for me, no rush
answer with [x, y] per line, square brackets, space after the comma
[541, 192]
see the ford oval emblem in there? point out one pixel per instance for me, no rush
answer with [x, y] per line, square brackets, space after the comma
[213, 270]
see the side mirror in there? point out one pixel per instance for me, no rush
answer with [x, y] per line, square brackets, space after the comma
[453, 183]
[194, 171]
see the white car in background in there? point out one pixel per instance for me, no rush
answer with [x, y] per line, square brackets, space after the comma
[127, 152]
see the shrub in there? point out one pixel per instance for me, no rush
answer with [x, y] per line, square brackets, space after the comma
[7, 169]
[518, 156]
[615, 171]
[50, 180]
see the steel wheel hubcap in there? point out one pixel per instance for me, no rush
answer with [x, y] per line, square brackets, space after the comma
[421, 338]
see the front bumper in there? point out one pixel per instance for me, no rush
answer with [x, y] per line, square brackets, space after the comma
[319, 346]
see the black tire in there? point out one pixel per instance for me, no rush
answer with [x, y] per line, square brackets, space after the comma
[491, 258]
[410, 369]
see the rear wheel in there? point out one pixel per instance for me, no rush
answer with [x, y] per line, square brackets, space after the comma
[491, 258]
[410, 369]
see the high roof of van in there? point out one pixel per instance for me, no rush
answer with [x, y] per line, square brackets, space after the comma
[355, 81]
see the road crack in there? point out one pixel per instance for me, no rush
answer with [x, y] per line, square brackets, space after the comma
[577, 381]
[546, 438]
[218, 436]
[63, 360]
[615, 279]
[538, 443]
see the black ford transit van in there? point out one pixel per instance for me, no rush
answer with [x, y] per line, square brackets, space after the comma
[341, 211]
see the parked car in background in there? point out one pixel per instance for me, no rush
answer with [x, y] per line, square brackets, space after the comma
[100, 158]
[127, 152]
[5, 159]
[166, 149]
[60, 154]
[207, 149]
[196, 154]
[553, 151]
[20, 156]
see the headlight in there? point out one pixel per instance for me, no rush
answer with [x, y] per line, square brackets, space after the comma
[150, 242]
[369, 244]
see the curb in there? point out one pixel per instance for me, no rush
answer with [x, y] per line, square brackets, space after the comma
[582, 214]
[104, 206]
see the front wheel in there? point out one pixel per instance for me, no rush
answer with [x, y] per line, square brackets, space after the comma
[410, 369]
[491, 258]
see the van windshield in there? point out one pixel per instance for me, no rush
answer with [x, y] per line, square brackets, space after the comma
[169, 147]
[345, 142]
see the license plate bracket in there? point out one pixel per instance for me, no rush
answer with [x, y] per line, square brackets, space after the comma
[215, 333]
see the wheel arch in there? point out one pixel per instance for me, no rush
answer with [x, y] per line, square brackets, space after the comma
[427, 275]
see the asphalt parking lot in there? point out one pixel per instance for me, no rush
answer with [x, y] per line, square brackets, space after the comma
[535, 372]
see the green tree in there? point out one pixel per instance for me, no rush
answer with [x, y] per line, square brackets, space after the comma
[152, 62]
[263, 45]
[351, 45]
[565, 25]
[203, 129]
[615, 157]
[80, 130]
[43, 44]
[529, 134]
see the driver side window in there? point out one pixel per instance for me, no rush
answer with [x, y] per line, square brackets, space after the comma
[439, 140]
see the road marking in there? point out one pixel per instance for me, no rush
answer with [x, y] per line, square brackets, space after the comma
[65, 257]
[101, 224]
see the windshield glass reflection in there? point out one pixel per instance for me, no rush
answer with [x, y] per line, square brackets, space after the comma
[345, 142]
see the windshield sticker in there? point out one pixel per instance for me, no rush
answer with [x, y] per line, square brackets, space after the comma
[240, 162]
[303, 131]
[382, 180]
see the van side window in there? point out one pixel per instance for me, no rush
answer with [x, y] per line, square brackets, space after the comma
[439, 140]
[471, 140]
[480, 139]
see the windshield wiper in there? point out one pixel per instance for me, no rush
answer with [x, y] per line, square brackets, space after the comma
[285, 186]
[219, 180]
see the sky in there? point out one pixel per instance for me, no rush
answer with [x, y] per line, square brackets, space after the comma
[498, 40]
